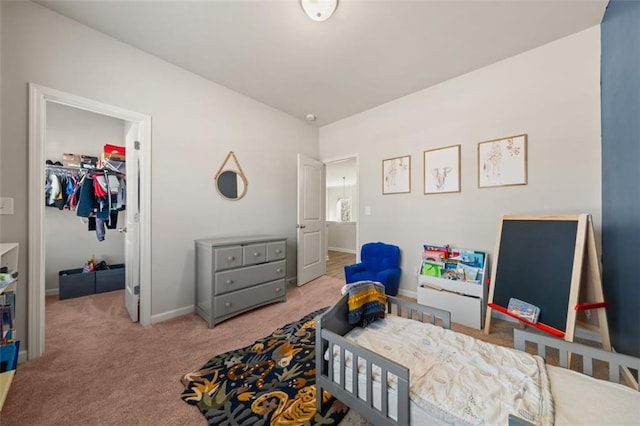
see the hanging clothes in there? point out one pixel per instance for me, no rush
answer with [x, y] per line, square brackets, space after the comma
[96, 194]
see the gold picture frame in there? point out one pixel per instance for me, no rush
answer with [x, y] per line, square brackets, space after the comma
[441, 171]
[396, 175]
[502, 162]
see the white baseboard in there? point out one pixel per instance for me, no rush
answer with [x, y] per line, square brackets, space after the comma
[585, 333]
[342, 250]
[407, 293]
[51, 292]
[173, 314]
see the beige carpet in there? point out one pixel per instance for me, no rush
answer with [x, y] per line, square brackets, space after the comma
[101, 369]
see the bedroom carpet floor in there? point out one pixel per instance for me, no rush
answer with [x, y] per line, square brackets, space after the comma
[99, 368]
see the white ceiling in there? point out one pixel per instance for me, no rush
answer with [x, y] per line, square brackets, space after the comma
[368, 53]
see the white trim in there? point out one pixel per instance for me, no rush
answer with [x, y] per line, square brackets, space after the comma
[342, 250]
[52, 292]
[38, 98]
[408, 293]
[173, 314]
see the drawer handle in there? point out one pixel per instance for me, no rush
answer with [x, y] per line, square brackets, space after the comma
[277, 289]
[256, 254]
[278, 251]
[229, 281]
[230, 258]
[227, 305]
[278, 270]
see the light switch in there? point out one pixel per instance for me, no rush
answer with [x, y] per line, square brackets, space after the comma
[6, 205]
[367, 210]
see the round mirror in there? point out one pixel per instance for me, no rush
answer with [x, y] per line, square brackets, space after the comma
[231, 184]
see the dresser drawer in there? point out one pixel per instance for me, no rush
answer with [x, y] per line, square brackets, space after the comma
[247, 298]
[254, 253]
[228, 257]
[236, 279]
[276, 251]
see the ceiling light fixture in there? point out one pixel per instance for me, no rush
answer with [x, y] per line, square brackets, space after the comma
[319, 10]
[311, 117]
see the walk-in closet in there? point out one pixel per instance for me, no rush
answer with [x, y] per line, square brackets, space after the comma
[75, 144]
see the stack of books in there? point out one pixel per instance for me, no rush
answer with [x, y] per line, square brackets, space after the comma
[8, 343]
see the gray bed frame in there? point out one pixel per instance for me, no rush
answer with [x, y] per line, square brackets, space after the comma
[618, 365]
[333, 325]
[330, 329]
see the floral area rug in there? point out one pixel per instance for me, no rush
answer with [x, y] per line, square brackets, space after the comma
[271, 382]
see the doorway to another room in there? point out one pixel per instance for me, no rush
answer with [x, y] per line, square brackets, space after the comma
[342, 214]
[131, 246]
[79, 247]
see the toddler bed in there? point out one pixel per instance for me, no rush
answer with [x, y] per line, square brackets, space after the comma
[444, 377]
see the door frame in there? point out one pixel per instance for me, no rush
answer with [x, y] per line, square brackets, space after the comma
[38, 98]
[339, 159]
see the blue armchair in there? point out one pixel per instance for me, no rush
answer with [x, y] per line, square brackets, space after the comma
[378, 262]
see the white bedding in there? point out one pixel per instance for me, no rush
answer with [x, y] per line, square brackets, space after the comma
[578, 399]
[459, 379]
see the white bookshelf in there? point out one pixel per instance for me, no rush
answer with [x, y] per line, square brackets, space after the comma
[466, 300]
[8, 259]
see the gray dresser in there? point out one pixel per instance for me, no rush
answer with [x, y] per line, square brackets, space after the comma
[236, 274]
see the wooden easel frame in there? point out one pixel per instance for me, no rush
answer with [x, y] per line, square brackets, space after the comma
[586, 280]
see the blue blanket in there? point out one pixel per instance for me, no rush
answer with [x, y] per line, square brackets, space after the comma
[367, 302]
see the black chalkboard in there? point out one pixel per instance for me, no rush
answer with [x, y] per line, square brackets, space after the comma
[535, 264]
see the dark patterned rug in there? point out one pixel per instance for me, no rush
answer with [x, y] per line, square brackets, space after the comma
[271, 382]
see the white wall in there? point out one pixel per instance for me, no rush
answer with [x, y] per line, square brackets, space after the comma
[68, 242]
[195, 123]
[552, 93]
[341, 236]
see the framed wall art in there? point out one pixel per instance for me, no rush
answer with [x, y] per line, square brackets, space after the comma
[442, 170]
[396, 175]
[502, 162]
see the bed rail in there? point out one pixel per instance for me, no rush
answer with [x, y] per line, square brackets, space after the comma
[619, 365]
[424, 313]
[330, 329]
[337, 382]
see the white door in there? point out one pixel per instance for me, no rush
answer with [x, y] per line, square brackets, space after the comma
[311, 228]
[132, 229]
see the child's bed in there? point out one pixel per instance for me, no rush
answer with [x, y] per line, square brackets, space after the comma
[497, 385]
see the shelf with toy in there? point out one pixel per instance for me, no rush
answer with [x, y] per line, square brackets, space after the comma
[455, 280]
[9, 346]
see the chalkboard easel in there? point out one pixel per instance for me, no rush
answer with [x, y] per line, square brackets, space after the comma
[551, 262]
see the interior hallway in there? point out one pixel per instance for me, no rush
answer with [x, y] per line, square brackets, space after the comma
[336, 262]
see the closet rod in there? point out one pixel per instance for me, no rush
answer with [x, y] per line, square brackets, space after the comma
[82, 170]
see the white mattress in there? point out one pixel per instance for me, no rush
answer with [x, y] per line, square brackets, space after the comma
[418, 416]
[583, 400]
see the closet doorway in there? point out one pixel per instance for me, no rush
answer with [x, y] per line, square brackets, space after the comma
[137, 139]
[342, 203]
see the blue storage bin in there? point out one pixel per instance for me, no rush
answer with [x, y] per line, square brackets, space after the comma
[110, 279]
[75, 283]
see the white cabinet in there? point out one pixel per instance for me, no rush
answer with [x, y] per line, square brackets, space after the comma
[466, 300]
[8, 284]
[234, 275]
